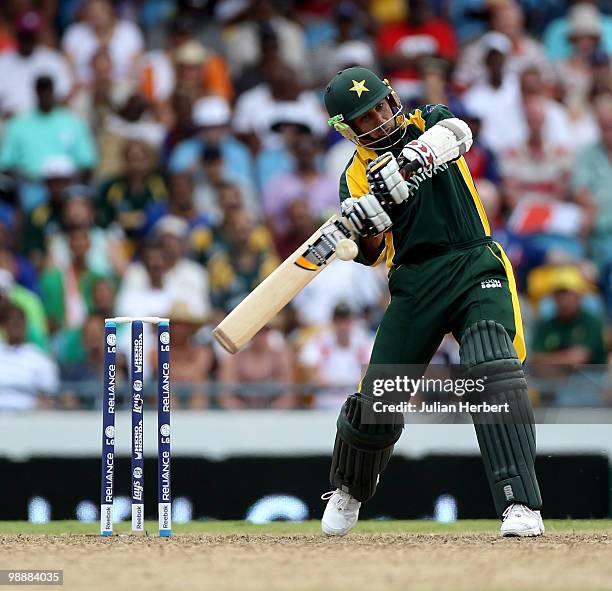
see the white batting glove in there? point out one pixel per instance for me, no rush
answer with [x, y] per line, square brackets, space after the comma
[386, 181]
[419, 156]
[366, 215]
[447, 140]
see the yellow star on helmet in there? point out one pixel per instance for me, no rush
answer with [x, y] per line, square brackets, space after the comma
[359, 87]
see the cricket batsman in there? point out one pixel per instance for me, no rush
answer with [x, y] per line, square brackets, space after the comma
[446, 274]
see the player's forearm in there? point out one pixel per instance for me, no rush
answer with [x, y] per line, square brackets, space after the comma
[371, 247]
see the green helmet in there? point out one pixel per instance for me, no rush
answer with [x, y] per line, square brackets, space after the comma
[353, 91]
[350, 94]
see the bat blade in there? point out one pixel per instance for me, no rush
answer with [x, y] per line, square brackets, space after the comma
[281, 286]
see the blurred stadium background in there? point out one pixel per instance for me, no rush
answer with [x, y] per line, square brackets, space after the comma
[160, 157]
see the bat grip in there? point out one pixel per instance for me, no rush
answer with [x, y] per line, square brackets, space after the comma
[407, 166]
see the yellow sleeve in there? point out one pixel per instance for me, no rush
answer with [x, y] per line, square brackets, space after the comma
[354, 183]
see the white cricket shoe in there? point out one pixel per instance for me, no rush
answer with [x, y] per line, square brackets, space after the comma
[519, 520]
[341, 513]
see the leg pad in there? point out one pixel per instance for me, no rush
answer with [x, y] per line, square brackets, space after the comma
[507, 440]
[361, 451]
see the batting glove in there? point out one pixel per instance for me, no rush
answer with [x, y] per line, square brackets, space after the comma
[386, 181]
[366, 215]
[446, 141]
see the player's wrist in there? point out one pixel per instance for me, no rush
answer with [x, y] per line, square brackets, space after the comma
[371, 247]
[421, 154]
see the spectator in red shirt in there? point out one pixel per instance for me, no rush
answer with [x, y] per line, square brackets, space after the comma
[402, 45]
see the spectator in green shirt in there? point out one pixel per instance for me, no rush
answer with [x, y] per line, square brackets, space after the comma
[573, 335]
[45, 219]
[81, 372]
[67, 290]
[68, 347]
[14, 294]
[124, 199]
[50, 130]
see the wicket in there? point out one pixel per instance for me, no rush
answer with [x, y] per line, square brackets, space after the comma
[137, 405]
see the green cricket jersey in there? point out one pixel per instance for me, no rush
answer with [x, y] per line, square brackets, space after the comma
[445, 212]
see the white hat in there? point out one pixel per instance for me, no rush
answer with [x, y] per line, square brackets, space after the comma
[354, 53]
[584, 19]
[187, 312]
[211, 111]
[495, 41]
[171, 224]
[191, 53]
[290, 114]
[58, 166]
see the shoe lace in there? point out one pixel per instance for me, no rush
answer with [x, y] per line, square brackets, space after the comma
[516, 509]
[342, 501]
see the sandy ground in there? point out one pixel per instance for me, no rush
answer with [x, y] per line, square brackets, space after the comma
[307, 562]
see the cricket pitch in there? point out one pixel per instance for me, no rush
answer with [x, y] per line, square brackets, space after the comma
[228, 556]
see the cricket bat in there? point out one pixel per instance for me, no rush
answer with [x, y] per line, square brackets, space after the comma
[281, 286]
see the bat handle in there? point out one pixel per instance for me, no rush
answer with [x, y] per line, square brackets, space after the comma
[406, 166]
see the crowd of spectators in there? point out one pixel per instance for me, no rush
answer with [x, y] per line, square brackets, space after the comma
[161, 157]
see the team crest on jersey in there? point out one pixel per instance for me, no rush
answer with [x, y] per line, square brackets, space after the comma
[429, 108]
